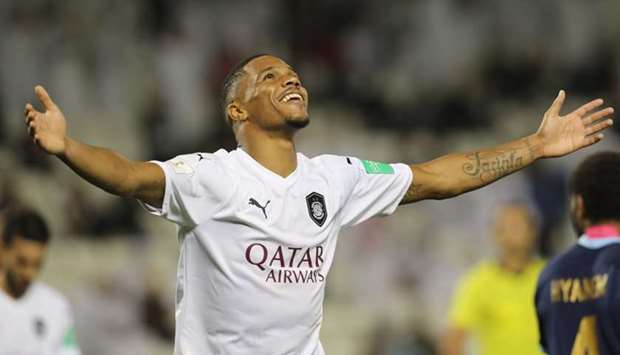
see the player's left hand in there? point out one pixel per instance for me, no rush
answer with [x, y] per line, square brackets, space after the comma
[47, 128]
[560, 135]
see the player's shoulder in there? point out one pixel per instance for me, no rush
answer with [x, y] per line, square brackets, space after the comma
[609, 256]
[45, 294]
[561, 263]
[480, 273]
[198, 157]
[538, 265]
[190, 163]
[335, 166]
[331, 160]
[347, 164]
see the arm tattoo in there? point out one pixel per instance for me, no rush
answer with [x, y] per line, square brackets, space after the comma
[454, 174]
[494, 164]
[494, 167]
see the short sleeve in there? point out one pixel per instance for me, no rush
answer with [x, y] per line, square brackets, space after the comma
[465, 308]
[377, 189]
[68, 343]
[539, 317]
[195, 185]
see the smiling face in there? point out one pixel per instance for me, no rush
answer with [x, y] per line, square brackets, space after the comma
[270, 96]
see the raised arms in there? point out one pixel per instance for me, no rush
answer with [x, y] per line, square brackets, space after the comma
[454, 174]
[99, 166]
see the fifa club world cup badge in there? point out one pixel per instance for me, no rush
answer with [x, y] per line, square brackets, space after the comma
[316, 208]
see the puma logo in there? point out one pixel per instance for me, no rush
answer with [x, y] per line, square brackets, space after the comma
[253, 202]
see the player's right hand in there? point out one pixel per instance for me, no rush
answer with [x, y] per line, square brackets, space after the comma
[48, 129]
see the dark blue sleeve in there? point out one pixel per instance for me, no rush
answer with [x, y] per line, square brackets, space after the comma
[609, 310]
[538, 303]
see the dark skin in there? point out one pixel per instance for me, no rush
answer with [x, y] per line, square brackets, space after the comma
[579, 216]
[263, 123]
[265, 127]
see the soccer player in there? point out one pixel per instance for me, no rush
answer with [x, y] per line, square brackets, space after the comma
[494, 300]
[258, 225]
[577, 297]
[36, 319]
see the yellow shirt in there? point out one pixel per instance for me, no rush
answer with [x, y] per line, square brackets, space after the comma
[497, 307]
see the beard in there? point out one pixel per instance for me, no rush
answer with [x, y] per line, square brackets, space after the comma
[297, 122]
[16, 288]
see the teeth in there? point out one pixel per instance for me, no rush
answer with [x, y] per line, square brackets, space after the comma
[289, 97]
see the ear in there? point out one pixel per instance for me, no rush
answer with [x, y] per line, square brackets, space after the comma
[578, 209]
[236, 113]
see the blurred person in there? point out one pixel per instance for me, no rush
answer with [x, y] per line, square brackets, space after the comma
[155, 313]
[36, 319]
[7, 199]
[547, 188]
[2, 272]
[258, 225]
[412, 340]
[493, 302]
[577, 300]
[115, 313]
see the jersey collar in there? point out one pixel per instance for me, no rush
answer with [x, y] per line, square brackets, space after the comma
[257, 168]
[23, 298]
[599, 236]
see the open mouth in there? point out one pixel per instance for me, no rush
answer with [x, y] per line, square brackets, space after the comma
[292, 97]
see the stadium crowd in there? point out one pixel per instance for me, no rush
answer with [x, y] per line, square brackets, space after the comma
[397, 81]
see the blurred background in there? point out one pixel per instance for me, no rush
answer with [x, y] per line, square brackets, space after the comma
[397, 81]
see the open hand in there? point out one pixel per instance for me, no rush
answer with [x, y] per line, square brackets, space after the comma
[48, 129]
[560, 135]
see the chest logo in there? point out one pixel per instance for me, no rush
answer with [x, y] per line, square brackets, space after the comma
[39, 327]
[316, 208]
[253, 202]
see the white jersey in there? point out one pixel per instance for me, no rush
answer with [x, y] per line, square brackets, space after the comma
[256, 247]
[39, 323]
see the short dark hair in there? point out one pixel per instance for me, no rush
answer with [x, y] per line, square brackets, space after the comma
[596, 181]
[26, 224]
[231, 80]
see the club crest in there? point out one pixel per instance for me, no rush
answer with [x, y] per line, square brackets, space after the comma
[316, 208]
[39, 327]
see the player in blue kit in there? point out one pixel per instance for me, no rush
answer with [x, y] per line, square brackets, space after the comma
[578, 293]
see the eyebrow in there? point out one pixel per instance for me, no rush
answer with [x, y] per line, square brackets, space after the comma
[273, 67]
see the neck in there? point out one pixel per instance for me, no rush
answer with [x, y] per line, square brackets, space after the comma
[614, 224]
[514, 262]
[274, 151]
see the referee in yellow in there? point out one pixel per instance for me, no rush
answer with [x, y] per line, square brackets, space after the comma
[494, 301]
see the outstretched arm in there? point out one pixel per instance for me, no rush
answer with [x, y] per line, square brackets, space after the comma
[454, 174]
[99, 166]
